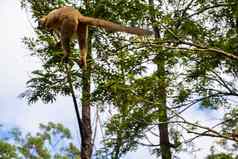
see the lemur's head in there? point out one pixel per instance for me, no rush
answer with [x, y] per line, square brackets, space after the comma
[42, 22]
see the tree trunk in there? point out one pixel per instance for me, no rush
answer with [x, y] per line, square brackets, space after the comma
[163, 127]
[161, 95]
[86, 137]
[163, 119]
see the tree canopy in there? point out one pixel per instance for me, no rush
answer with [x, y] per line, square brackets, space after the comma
[53, 141]
[148, 84]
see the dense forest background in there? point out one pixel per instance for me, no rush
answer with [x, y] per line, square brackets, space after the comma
[166, 93]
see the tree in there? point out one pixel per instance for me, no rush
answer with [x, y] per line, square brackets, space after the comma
[186, 43]
[7, 151]
[52, 141]
[150, 83]
[220, 156]
[56, 79]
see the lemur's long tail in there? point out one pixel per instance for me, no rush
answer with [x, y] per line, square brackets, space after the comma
[110, 26]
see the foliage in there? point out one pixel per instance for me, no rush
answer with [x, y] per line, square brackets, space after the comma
[194, 62]
[52, 141]
[207, 77]
[7, 151]
[220, 156]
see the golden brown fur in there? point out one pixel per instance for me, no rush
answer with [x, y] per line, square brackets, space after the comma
[69, 21]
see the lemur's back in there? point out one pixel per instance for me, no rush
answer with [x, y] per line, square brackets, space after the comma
[57, 16]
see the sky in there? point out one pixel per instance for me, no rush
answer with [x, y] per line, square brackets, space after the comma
[16, 65]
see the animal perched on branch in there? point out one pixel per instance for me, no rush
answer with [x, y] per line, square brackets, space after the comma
[68, 22]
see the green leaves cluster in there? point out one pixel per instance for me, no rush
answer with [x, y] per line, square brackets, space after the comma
[189, 65]
[221, 156]
[52, 141]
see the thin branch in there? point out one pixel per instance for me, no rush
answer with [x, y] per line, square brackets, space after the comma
[96, 123]
[198, 47]
[148, 145]
[209, 7]
[222, 82]
[209, 131]
[201, 49]
[80, 123]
